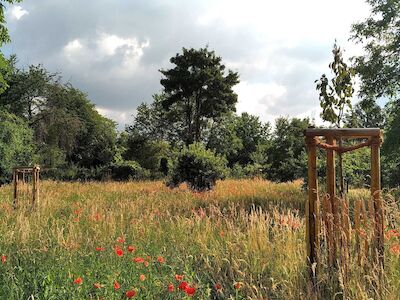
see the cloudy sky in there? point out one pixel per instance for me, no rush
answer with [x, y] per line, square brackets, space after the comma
[113, 49]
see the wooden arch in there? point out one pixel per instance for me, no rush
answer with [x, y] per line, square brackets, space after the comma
[313, 219]
[19, 176]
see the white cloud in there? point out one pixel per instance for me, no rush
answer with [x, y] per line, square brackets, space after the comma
[278, 47]
[256, 98]
[123, 117]
[121, 54]
[17, 12]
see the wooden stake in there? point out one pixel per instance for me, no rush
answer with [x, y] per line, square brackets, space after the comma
[15, 179]
[313, 218]
[376, 195]
[331, 189]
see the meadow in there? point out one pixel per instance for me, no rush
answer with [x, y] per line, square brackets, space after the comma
[142, 240]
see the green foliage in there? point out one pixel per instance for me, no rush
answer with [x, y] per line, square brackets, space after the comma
[50, 107]
[128, 170]
[287, 153]
[4, 38]
[366, 114]
[198, 167]
[154, 123]
[379, 66]
[27, 89]
[357, 168]
[391, 145]
[16, 145]
[147, 152]
[239, 137]
[336, 96]
[197, 91]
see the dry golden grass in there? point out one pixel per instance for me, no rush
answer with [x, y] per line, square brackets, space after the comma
[247, 233]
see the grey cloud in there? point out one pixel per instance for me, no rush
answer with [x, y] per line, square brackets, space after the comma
[41, 36]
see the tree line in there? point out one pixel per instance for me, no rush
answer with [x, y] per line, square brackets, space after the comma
[191, 127]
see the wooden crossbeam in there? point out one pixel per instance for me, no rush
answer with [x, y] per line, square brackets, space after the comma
[343, 132]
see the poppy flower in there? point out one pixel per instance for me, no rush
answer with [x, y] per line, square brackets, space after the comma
[237, 285]
[97, 217]
[160, 259]
[218, 286]
[119, 251]
[78, 280]
[190, 290]
[142, 277]
[99, 249]
[131, 248]
[395, 249]
[171, 287]
[178, 277]
[97, 285]
[121, 240]
[3, 259]
[183, 285]
[138, 259]
[130, 294]
[146, 264]
[117, 286]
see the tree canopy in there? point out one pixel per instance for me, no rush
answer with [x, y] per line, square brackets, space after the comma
[379, 67]
[197, 90]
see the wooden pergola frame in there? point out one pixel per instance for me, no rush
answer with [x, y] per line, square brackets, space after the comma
[312, 137]
[22, 170]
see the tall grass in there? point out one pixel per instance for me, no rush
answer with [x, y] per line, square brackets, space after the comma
[244, 240]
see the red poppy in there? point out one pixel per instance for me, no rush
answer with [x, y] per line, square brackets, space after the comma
[237, 285]
[96, 285]
[146, 264]
[171, 287]
[99, 249]
[119, 251]
[138, 259]
[178, 277]
[117, 286]
[78, 280]
[395, 249]
[142, 277]
[130, 294]
[218, 286]
[190, 290]
[160, 259]
[183, 285]
[3, 259]
[131, 248]
[121, 240]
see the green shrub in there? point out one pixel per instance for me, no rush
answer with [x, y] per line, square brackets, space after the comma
[128, 170]
[198, 167]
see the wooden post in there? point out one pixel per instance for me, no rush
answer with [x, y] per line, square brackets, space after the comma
[331, 190]
[15, 180]
[33, 186]
[312, 209]
[377, 200]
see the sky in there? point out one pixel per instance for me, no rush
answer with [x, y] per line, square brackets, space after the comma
[113, 49]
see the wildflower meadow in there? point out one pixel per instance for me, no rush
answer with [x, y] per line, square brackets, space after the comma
[142, 240]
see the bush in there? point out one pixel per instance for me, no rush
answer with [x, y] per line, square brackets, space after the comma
[128, 170]
[198, 167]
[74, 173]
